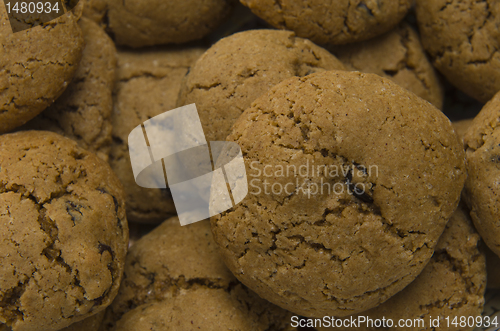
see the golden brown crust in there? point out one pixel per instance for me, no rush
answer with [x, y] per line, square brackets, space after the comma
[36, 65]
[139, 23]
[64, 231]
[399, 56]
[240, 68]
[463, 39]
[175, 273]
[482, 189]
[334, 22]
[320, 251]
[451, 285]
[83, 111]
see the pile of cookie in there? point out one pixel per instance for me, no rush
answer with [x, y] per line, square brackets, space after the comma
[364, 199]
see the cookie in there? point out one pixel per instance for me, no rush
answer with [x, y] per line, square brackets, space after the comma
[174, 278]
[141, 23]
[240, 68]
[95, 10]
[352, 179]
[462, 38]
[334, 22]
[399, 56]
[36, 65]
[493, 266]
[461, 127]
[91, 323]
[64, 232]
[148, 83]
[451, 285]
[83, 112]
[482, 189]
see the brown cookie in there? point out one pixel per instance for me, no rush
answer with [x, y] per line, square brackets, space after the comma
[148, 83]
[176, 280]
[64, 232]
[399, 56]
[334, 22]
[36, 65]
[482, 188]
[139, 23]
[451, 285]
[83, 112]
[352, 179]
[240, 68]
[95, 10]
[462, 38]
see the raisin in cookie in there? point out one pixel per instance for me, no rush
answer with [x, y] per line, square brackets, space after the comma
[176, 280]
[240, 68]
[397, 55]
[334, 22]
[482, 188]
[148, 83]
[463, 39]
[36, 65]
[352, 179]
[451, 285]
[83, 112]
[64, 232]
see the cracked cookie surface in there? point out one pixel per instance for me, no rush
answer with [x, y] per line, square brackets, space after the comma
[451, 285]
[352, 179]
[399, 56]
[240, 68]
[64, 232]
[139, 23]
[36, 65]
[174, 275]
[83, 111]
[333, 21]
[148, 84]
[463, 39]
[482, 189]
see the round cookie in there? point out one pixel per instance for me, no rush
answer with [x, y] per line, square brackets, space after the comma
[399, 56]
[240, 68]
[202, 309]
[148, 83]
[64, 232]
[482, 188]
[352, 179]
[36, 65]
[334, 22]
[91, 323]
[175, 272]
[451, 285]
[462, 38]
[138, 23]
[95, 10]
[83, 111]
